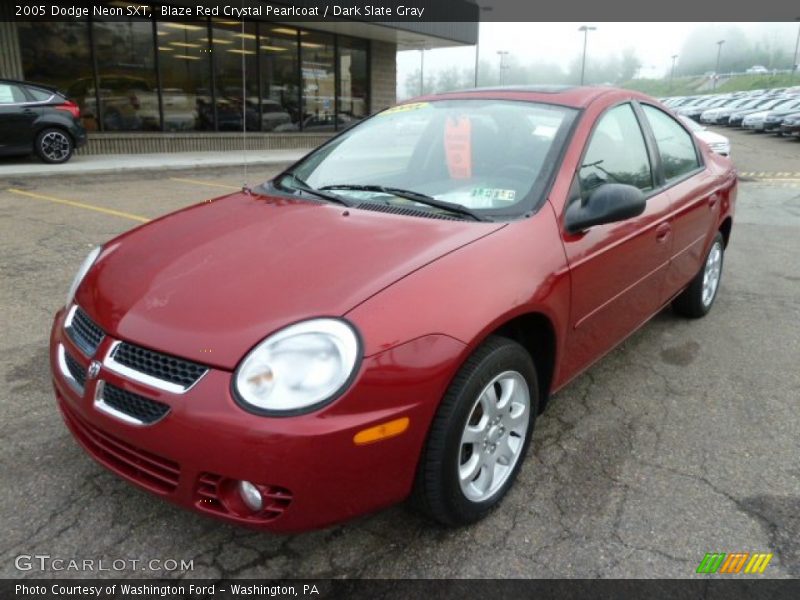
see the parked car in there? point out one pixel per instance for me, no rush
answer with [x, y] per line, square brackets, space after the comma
[720, 114]
[717, 142]
[757, 70]
[693, 111]
[40, 119]
[385, 320]
[774, 117]
[762, 104]
[791, 124]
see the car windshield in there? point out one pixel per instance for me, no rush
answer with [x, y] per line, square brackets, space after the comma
[485, 158]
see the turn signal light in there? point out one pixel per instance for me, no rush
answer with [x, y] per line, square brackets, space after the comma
[381, 432]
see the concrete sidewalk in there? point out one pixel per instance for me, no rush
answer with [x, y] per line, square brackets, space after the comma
[118, 163]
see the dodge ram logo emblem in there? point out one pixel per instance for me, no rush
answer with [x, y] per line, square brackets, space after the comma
[93, 370]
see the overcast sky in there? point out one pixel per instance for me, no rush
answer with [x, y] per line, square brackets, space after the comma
[560, 43]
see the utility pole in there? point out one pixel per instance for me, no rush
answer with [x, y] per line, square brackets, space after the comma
[585, 29]
[421, 71]
[502, 54]
[478, 42]
[796, 48]
[719, 54]
[672, 71]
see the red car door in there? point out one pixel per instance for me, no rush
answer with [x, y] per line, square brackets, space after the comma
[617, 270]
[693, 192]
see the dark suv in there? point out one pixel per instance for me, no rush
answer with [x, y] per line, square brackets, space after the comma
[38, 118]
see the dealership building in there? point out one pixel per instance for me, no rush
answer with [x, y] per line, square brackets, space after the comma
[153, 85]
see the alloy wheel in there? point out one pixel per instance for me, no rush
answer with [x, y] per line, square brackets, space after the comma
[55, 146]
[711, 273]
[494, 436]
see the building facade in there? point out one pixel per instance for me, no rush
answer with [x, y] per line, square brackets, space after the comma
[170, 81]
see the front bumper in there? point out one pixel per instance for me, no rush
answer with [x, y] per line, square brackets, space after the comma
[307, 467]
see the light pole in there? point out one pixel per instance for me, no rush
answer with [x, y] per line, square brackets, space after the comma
[796, 48]
[422, 70]
[672, 71]
[585, 29]
[478, 42]
[502, 54]
[719, 54]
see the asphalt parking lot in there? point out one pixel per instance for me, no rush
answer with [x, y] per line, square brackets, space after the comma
[683, 441]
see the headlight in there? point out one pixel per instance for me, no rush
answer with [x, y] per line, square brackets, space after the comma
[299, 368]
[84, 268]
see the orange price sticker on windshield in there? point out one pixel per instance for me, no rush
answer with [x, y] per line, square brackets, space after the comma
[458, 147]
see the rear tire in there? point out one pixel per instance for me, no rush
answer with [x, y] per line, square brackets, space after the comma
[697, 299]
[479, 436]
[54, 145]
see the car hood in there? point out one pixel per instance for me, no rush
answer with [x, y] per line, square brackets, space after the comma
[711, 138]
[209, 282]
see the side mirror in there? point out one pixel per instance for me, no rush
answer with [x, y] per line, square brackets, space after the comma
[609, 203]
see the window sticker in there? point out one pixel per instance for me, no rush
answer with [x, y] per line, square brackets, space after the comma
[458, 147]
[488, 197]
[404, 108]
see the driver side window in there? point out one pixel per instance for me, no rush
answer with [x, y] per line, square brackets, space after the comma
[616, 153]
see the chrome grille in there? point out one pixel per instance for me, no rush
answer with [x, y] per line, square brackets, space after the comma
[164, 367]
[82, 330]
[75, 369]
[137, 407]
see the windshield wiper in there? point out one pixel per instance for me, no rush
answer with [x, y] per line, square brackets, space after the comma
[301, 185]
[410, 195]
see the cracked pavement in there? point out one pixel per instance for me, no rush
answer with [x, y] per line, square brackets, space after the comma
[682, 441]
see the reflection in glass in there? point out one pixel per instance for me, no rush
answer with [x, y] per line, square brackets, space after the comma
[127, 75]
[353, 81]
[57, 54]
[235, 51]
[184, 54]
[280, 86]
[317, 53]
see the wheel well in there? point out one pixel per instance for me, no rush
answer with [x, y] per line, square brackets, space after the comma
[534, 332]
[725, 230]
[61, 128]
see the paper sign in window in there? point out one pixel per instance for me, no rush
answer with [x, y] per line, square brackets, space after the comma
[458, 147]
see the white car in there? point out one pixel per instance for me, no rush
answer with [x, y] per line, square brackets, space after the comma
[718, 143]
[755, 121]
[757, 69]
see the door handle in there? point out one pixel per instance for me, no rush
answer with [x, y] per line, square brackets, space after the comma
[662, 232]
[712, 200]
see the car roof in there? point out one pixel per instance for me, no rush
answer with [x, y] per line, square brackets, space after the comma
[572, 96]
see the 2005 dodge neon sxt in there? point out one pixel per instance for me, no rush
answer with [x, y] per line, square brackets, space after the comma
[386, 318]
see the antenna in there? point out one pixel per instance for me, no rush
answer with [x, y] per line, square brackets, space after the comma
[245, 187]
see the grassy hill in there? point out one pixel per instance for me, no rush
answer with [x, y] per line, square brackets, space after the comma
[687, 86]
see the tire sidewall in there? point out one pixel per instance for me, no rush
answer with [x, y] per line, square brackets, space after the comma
[510, 357]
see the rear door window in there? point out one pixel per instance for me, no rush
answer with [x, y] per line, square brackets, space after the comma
[11, 94]
[39, 95]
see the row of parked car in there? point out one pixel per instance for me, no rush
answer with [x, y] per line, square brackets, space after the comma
[774, 111]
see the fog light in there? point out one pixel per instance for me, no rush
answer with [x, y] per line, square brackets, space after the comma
[250, 496]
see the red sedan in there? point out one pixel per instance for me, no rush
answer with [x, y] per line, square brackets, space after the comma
[386, 318]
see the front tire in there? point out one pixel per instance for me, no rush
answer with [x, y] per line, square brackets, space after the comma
[54, 145]
[479, 436]
[697, 299]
